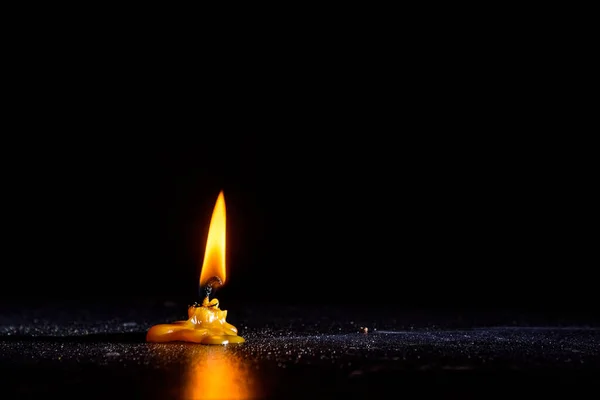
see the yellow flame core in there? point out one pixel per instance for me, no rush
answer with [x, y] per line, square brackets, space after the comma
[214, 255]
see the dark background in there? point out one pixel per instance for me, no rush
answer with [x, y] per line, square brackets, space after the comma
[407, 220]
[445, 175]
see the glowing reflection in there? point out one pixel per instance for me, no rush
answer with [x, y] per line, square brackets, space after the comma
[210, 372]
[218, 373]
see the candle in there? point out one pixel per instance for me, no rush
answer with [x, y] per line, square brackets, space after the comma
[206, 322]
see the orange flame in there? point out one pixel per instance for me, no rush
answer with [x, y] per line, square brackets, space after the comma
[214, 255]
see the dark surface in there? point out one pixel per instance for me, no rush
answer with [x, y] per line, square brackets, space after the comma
[98, 350]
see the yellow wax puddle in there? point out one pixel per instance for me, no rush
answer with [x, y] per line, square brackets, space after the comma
[206, 325]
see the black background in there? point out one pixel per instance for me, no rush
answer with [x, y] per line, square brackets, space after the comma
[412, 221]
[446, 180]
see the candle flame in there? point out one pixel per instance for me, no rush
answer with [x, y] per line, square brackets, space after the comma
[214, 255]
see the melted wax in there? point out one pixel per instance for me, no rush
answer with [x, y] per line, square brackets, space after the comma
[206, 324]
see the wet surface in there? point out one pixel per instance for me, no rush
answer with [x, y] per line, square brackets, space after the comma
[292, 352]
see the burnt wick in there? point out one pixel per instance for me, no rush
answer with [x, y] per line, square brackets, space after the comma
[207, 289]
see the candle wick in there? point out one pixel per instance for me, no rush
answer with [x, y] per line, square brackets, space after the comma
[207, 289]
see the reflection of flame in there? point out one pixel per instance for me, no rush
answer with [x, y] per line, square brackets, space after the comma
[214, 255]
[210, 372]
[216, 373]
